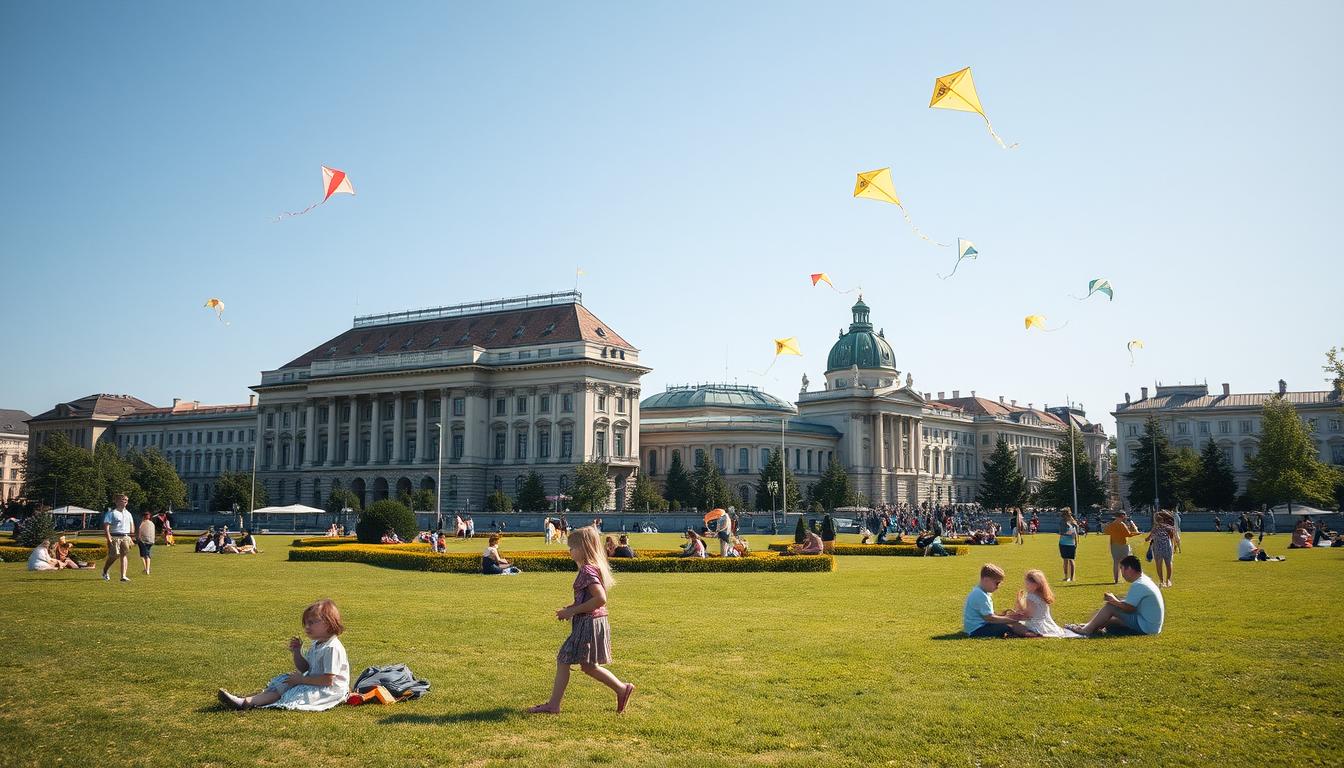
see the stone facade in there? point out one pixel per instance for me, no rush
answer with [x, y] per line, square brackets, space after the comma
[13, 453]
[201, 441]
[1191, 417]
[536, 383]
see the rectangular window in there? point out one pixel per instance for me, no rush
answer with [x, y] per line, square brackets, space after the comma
[619, 444]
[366, 411]
[743, 458]
[458, 443]
[520, 447]
[600, 444]
[1203, 427]
[499, 446]
[718, 459]
[984, 439]
[545, 406]
[434, 443]
[345, 413]
[1314, 424]
[209, 438]
[389, 411]
[270, 419]
[797, 459]
[410, 447]
[459, 406]
[1337, 454]
[521, 405]
[544, 443]
[567, 403]
[1333, 424]
[567, 444]
[1182, 428]
[219, 436]
[434, 407]
[387, 448]
[500, 405]
[285, 418]
[412, 407]
[364, 450]
[322, 413]
[620, 405]
[1245, 426]
[602, 403]
[1224, 427]
[765, 457]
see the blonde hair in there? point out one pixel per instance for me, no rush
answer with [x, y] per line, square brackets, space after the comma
[327, 611]
[1047, 594]
[586, 544]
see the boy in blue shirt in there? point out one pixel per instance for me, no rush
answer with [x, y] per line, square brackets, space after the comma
[978, 618]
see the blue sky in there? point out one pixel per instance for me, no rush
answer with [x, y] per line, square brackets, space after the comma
[697, 160]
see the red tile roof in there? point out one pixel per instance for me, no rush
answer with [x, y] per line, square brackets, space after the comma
[102, 405]
[491, 330]
[979, 406]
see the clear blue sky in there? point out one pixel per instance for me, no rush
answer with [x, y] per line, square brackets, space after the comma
[697, 160]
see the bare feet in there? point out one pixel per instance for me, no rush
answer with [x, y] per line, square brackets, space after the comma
[623, 697]
[543, 709]
[231, 701]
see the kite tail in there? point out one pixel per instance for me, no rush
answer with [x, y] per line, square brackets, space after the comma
[767, 368]
[296, 213]
[923, 236]
[990, 126]
[954, 271]
[1060, 328]
[851, 290]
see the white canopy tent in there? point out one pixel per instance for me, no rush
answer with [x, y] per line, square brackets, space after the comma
[1299, 510]
[84, 515]
[293, 514]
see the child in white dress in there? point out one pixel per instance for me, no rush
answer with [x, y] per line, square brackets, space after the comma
[1033, 607]
[322, 679]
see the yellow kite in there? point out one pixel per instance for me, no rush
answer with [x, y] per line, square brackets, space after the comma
[218, 306]
[1131, 346]
[1038, 321]
[785, 346]
[957, 91]
[876, 185]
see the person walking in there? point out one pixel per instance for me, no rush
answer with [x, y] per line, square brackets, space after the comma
[1017, 526]
[1121, 529]
[1068, 542]
[117, 526]
[144, 539]
[1163, 538]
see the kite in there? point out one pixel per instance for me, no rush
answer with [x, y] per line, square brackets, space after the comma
[957, 91]
[218, 306]
[1131, 346]
[787, 346]
[1038, 321]
[876, 185]
[334, 182]
[1098, 286]
[822, 277]
[965, 250]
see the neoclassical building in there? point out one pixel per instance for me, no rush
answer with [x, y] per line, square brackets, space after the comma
[1191, 417]
[535, 383]
[201, 441]
[13, 453]
[899, 445]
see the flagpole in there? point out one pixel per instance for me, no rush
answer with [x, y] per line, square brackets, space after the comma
[1073, 458]
[783, 472]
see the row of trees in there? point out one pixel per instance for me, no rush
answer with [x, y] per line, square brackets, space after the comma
[60, 473]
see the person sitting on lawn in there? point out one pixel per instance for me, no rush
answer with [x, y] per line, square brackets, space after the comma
[1301, 538]
[740, 547]
[1248, 552]
[390, 537]
[623, 549]
[694, 546]
[206, 541]
[494, 565]
[60, 552]
[1140, 612]
[321, 679]
[224, 543]
[246, 544]
[810, 545]
[40, 558]
[609, 544]
[978, 618]
[1033, 607]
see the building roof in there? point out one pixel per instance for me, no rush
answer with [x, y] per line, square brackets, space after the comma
[980, 406]
[860, 346]
[715, 396]
[12, 422]
[745, 422]
[192, 409]
[528, 320]
[102, 406]
[1182, 402]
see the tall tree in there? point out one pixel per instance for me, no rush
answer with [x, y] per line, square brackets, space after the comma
[236, 488]
[677, 484]
[1214, 485]
[1185, 468]
[1170, 479]
[646, 497]
[765, 500]
[1287, 468]
[1057, 490]
[498, 501]
[708, 488]
[1334, 369]
[341, 498]
[592, 487]
[833, 489]
[1001, 484]
[117, 476]
[532, 494]
[158, 479]
[421, 500]
[60, 473]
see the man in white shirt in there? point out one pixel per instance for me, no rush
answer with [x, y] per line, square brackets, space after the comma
[117, 525]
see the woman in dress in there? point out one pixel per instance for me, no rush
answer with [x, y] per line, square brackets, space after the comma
[1033, 607]
[1162, 538]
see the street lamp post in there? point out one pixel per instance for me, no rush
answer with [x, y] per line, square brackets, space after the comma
[438, 484]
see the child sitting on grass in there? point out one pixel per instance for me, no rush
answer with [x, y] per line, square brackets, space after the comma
[322, 679]
[978, 618]
[589, 641]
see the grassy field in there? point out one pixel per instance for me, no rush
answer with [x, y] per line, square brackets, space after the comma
[858, 667]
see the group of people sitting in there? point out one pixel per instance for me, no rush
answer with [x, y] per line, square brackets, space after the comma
[221, 542]
[1308, 534]
[1140, 612]
[53, 556]
[621, 550]
[730, 545]
[335, 531]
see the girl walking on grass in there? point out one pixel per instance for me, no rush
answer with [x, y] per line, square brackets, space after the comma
[589, 641]
[322, 676]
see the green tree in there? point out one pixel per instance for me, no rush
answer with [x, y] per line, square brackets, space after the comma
[384, 515]
[833, 489]
[1002, 484]
[1185, 468]
[422, 500]
[1286, 468]
[765, 501]
[1214, 485]
[532, 494]
[1057, 490]
[800, 531]
[341, 498]
[61, 473]
[498, 501]
[158, 479]
[1170, 479]
[117, 476]
[708, 487]
[1334, 368]
[646, 496]
[592, 487]
[677, 484]
[38, 526]
[236, 488]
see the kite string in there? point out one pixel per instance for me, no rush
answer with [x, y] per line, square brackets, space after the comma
[297, 213]
[990, 126]
[954, 269]
[911, 222]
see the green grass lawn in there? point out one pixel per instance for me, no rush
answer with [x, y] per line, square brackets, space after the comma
[857, 667]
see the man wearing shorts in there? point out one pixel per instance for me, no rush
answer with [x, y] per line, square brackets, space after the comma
[117, 525]
[1121, 529]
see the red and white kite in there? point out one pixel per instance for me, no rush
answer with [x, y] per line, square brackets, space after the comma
[334, 182]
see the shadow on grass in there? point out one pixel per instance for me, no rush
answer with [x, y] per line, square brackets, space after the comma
[951, 636]
[495, 714]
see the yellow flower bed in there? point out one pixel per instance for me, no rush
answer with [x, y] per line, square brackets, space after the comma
[418, 557]
[878, 550]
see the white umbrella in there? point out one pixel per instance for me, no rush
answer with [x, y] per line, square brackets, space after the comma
[1299, 509]
[292, 509]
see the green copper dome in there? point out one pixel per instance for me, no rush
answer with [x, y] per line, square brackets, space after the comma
[716, 396]
[860, 346]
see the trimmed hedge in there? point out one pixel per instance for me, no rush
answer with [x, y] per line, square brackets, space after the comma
[873, 550]
[417, 557]
[960, 541]
[82, 551]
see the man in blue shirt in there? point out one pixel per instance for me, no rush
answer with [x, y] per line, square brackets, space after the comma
[1141, 612]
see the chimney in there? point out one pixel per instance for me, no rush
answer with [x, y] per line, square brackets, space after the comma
[972, 393]
[956, 394]
[1014, 402]
[1000, 399]
[176, 400]
[1283, 387]
[1143, 391]
[1227, 389]
[1127, 395]
[1031, 406]
[252, 400]
[941, 395]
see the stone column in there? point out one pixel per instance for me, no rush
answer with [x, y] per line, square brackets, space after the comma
[470, 430]
[352, 439]
[398, 429]
[421, 423]
[445, 431]
[260, 442]
[331, 431]
[310, 439]
[376, 432]
[583, 427]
